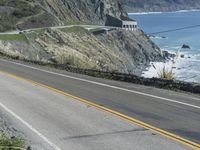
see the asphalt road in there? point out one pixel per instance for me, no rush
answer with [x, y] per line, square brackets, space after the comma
[51, 121]
[174, 112]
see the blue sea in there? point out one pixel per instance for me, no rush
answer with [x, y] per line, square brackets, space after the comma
[188, 68]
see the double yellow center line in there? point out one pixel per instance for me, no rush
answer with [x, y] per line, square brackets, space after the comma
[164, 133]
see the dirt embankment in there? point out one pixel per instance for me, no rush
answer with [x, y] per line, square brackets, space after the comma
[120, 51]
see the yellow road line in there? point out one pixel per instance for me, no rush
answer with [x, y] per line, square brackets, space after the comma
[164, 133]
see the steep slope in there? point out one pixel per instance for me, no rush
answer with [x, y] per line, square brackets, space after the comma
[120, 51]
[160, 5]
[24, 14]
[92, 11]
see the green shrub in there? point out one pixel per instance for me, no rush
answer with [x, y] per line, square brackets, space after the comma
[13, 37]
[13, 143]
[74, 29]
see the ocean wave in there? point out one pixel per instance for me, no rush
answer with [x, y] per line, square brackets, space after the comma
[176, 47]
[180, 66]
[158, 37]
[159, 12]
[193, 60]
[191, 10]
[144, 13]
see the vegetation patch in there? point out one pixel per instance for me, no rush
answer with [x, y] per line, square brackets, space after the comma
[11, 143]
[75, 29]
[72, 22]
[166, 73]
[13, 37]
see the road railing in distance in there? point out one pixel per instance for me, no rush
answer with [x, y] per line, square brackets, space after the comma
[130, 78]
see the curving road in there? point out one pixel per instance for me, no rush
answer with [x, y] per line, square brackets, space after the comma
[171, 114]
[88, 27]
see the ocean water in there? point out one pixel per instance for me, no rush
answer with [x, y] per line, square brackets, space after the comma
[187, 68]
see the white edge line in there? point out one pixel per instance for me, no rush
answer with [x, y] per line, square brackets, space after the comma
[106, 85]
[30, 127]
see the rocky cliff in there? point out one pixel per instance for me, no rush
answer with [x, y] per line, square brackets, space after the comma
[25, 14]
[83, 10]
[160, 5]
[117, 50]
[120, 51]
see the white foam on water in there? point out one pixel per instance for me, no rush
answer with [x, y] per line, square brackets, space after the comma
[157, 67]
[186, 68]
[148, 13]
[144, 13]
[181, 67]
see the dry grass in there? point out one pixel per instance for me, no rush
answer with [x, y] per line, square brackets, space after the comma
[165, 73]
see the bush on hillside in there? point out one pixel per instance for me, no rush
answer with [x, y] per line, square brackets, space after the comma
[7, 143]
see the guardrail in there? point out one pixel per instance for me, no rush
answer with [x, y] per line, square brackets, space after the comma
[155, 82]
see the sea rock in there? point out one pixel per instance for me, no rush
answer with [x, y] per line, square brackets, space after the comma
[168, 55]
[186, 46]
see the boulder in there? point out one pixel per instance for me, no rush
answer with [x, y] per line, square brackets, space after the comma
[186, 46]
[166, 54]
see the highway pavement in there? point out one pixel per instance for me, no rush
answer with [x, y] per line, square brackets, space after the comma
[52, 121]
[174, 115]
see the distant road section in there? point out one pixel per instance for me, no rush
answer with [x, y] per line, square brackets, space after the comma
[88, 27]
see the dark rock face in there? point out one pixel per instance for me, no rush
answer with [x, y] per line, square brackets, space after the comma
[186, 46]
[160, 5]
[85, 10]
[182, 56]
[28, 14]
[136, 46]
[168, 55]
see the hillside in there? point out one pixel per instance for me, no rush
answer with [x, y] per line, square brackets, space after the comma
[118, 50]
[160, 5]
[23, 14]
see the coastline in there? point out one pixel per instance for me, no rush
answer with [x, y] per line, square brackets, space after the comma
[176, 63]
[186, 66]
[160, 12]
